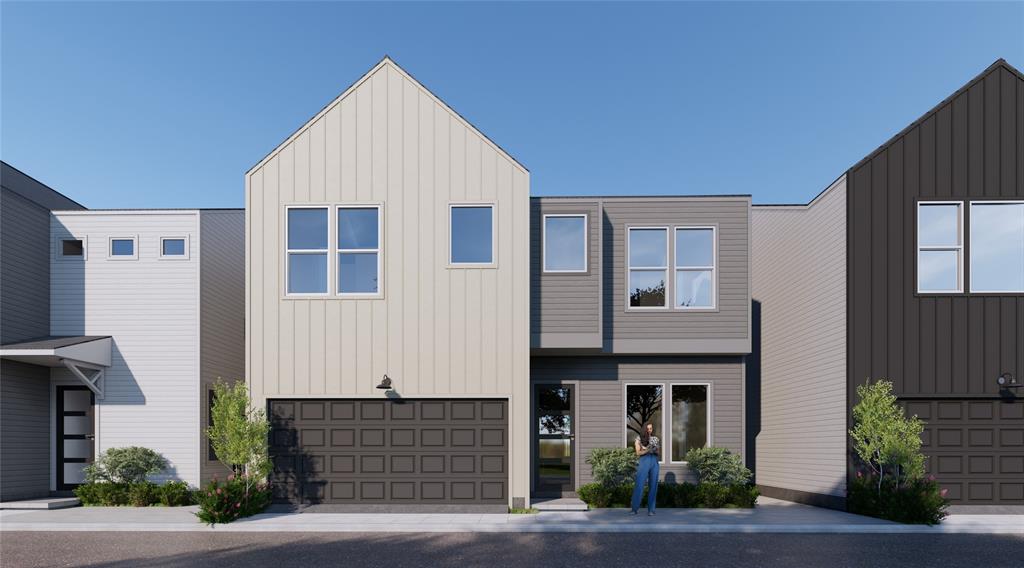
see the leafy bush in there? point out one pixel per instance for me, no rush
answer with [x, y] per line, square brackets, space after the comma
[125, 465]
[175, 494]
[143, 494]
[235, 498]
[920, 501]
[678, 495]
[613, 466]
[718, 466]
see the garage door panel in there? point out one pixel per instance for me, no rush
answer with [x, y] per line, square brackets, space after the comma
[412, 451]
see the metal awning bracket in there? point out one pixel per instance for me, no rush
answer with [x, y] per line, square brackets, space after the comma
[90, 375]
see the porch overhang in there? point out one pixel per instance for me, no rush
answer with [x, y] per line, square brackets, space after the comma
[86, 356]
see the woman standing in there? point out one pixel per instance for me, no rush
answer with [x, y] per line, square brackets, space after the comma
[647, 447]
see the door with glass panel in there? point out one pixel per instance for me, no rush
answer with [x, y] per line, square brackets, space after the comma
[75, 435]
[556, 437]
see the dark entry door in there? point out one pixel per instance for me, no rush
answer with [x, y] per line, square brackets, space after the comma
[556, 440]
[75, 435]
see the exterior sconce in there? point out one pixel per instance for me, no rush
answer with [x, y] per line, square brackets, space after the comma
[385, 383]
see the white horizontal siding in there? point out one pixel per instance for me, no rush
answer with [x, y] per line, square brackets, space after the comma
[150, 308]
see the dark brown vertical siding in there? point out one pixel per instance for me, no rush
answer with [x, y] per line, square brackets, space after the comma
[940, 347]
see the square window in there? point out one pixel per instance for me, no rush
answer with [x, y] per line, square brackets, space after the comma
[565, 243]
[72, 247]
[997, 247]
[357, 273]
[123, 248]
[307, 273]
[471, 234]
[173, 247]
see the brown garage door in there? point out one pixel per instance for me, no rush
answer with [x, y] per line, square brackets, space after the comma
[390, 452]
[975, 448]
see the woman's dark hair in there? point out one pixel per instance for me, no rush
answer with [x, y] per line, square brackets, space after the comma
[645, 436]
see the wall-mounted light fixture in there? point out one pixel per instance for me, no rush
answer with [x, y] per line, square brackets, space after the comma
[1007, 381]
[385, 383]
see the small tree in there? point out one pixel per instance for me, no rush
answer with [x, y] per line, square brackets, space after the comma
[239, 433]
[885, 440]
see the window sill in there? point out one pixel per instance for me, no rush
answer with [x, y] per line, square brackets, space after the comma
[471, 265]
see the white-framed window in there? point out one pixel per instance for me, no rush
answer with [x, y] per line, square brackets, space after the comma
[72, 248]
[471, 235]
[997, 247]
[690, 417]
[174, 248]
[564, 247]
[123, 248]
[696, 257]
[940, 244]
[307, 250]
[644, 403]
[360, 255]
[647, 262]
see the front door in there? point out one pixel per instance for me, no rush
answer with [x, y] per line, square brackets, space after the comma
[75, 435]
[556, 431]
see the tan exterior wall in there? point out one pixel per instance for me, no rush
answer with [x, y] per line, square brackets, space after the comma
[799, 277]
[437, 331]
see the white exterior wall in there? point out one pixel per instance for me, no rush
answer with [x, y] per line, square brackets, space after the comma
[798, 274]
[437, 331]
[150, 308]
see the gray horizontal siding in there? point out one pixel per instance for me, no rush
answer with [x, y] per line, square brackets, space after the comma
[565, 304]
[24, 258]
[24, 430]
[728, 323]
[798, 277]
[600, 415]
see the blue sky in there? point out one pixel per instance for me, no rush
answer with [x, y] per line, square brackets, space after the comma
[167, 105]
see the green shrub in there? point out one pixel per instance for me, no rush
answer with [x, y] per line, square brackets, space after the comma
[712, 495]
[743, 496]
[89, 493]
[234, 498]
[175, 494]
[920, 501]
[143, 494]
[718, 466]
[677, 495]
[595, 495]
[125, 465]
[613, 466]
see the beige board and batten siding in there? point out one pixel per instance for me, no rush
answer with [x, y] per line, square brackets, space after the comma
[150, 307]
[799, 279]
[565, 307]
[222, 314]
[437, 331]
[723, 330]
[601, 411]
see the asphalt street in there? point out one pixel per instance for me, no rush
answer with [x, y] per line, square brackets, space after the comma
[197, 549]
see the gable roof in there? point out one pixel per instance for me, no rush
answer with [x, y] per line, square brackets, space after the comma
[996, 66]
[385, 61]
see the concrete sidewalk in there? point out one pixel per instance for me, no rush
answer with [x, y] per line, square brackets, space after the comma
[771, 516]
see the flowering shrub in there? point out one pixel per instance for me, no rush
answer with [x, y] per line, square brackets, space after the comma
[919, 501]
[235, 498]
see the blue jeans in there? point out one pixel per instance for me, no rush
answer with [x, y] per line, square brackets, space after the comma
[646, 471]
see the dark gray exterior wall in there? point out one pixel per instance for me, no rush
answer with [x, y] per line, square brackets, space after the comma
[221, 314]
[565, 308]
[25, 206]
[600, 400]
[943, 352]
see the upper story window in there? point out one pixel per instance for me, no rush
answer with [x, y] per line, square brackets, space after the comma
[940, 247]
[72, 248]
[471, 235]
[997, 246]
[695, 267]
[647, 266]
[307, 240]
[123, 248]
[173, 247]
[359, 251]
[565, 243]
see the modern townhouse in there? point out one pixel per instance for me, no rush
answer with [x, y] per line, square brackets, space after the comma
[114, 322]
[909, 267]
[426, 336]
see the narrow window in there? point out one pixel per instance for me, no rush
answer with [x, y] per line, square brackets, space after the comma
[123, 248]
[359, 253]
[565, 243]
[939, 247]
[690, 422]
[472, 234]
[173, 247]
[997, 247]
[643, 406]
[648, 267]
[72, 247]
[695, 267]
[307, 250]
